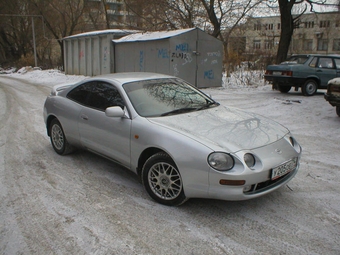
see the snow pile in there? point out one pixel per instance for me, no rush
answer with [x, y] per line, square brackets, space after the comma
[47, 77]
[238, 79]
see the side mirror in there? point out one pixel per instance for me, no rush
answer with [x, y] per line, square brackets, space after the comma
[114, 111]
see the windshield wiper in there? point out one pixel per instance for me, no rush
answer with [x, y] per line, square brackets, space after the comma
[180, 110]
[207, 105]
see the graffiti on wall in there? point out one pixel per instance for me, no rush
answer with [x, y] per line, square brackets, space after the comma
[182, 52]
[214, 54]
[163, 53]
[209, 74]
[105, 57]
[141, 60]
[81, 54]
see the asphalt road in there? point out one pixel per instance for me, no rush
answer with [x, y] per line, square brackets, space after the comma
[83, 204]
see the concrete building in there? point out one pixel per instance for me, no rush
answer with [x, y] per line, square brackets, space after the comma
[314, 33]
[112, 14]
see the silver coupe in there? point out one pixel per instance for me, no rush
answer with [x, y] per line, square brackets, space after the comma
[179, 141]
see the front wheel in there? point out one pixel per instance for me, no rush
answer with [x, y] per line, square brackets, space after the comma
[337, 108]
[309, 88]
[58, 139]
[162, 180]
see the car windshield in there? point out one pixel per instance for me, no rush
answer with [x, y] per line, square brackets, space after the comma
[161, 97]
[298, 59]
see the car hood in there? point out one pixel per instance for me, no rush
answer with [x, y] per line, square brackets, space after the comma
[228, 128]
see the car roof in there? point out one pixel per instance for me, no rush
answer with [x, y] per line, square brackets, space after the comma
[127, 77]
[316, 55]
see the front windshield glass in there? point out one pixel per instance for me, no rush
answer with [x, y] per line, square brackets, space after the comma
[161, 97]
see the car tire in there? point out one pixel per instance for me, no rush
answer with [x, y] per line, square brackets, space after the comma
[309, 88]
[337, 109]
[162, 180]
[284, 89]
[58, 139]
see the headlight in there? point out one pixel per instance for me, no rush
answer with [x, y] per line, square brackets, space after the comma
[221, 161]
[249, 159]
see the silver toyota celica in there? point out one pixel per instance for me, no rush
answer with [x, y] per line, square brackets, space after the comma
[179, 141]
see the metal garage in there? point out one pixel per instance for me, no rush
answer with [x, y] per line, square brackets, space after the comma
[190, 54]
[91, 53]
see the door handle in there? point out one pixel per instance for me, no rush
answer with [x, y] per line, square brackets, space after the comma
[84, 117]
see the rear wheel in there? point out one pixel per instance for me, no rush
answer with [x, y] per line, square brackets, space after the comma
[284, 89]
[309, 88]
[58, 139]
[337, 108]
[162, 180]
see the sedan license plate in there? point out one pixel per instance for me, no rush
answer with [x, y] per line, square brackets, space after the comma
[277, 73]
[283, 169]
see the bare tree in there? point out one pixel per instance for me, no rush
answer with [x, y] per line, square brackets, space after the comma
[62, 18]
[288, 22]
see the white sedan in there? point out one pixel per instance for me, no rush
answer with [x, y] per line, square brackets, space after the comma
[180, 142]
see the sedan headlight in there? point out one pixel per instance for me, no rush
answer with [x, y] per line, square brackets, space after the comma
[221, 161]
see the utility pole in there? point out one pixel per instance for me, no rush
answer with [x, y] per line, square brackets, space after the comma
[34, 46]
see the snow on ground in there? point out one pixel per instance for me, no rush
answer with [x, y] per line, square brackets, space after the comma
[83, 204]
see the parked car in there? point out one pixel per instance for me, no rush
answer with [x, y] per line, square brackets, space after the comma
[308, 72]
[179, 141]
[333, 94]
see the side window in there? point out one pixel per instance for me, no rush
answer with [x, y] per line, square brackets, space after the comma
[313, 62]
[105, 95]
[81, 93]
[337, 63]
[325, 63]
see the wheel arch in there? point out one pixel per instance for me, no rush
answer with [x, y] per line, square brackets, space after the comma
[315, 78]
[147, 153]
[48, 123]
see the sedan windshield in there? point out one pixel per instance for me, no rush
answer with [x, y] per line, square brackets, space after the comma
[163, 97]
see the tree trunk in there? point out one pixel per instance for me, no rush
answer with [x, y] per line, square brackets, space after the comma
[287, 29]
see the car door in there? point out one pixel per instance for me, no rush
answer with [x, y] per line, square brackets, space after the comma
[105, 135]
[337, 65]
[325, 70]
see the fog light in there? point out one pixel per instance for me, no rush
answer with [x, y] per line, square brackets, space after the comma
[249, 160]
[247, 188]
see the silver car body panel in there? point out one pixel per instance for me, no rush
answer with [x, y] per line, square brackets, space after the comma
[187, 138]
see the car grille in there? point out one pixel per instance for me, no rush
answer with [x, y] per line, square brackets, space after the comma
[267, 185]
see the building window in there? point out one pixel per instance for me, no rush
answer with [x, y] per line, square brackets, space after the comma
[278, 26]
[268, 44]
[309, 24]
[323, 44]
[336, 44]
[257, 26]
[269, 27]
[324, 23]
[308, 44]
[337, 23]
[257, 44]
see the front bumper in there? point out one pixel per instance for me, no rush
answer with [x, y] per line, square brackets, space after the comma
[258, 181]
[332, 99]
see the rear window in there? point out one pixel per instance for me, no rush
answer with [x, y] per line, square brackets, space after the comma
[298, 59]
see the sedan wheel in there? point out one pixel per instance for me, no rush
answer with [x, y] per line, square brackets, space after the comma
[338, 110]
[309, 88]
[58, 139]
[162, 180]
